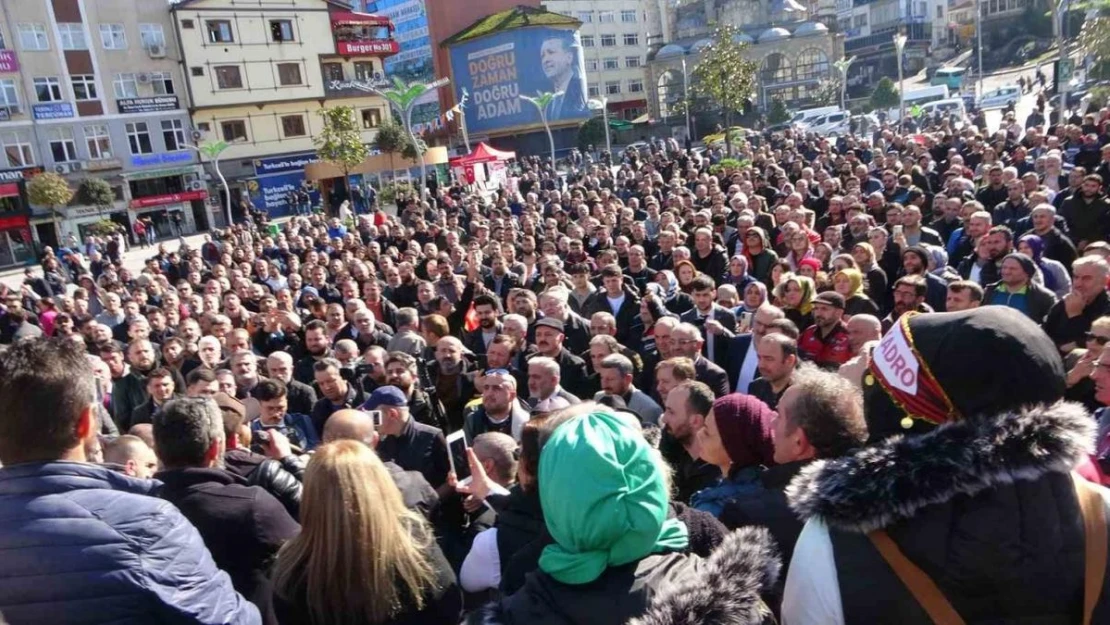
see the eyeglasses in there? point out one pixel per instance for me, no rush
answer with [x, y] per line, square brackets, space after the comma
[1101, 340]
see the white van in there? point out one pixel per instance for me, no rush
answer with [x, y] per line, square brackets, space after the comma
[831, 125]
[804, 118]
[1002, 96]
[920, 97]
[947, 108]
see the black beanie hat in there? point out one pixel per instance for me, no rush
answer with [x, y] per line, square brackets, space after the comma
[920, 252]
[985, 361]
[1027, 264]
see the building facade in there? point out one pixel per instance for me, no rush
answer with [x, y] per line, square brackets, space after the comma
[259, 74]
[414, 62]
[871, 39]
[616, 38]
[790, 42]
[93, 89]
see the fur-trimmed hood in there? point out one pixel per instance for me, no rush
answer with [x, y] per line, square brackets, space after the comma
[894, 479]
[723, 589]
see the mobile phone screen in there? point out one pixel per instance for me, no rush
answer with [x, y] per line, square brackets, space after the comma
[456, 447]
[376, 417]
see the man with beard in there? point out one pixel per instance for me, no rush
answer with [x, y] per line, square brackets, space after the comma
[638, 269]
[622, 303]
[500, 410]
[915, 262]
[826, 342]
[500, 280]
[1015, 208]
[317, 346]
[1071, 317]
[487, 307]
[400, 371]
[554, 303]
[129, 391]
[686, 407]
[572, 369]
[302, 397]
[778, 357]
[244, 366]
[1088, 212]
[544, 376]
[663, 259]
[995, 192]
[454, 384]
[858, 227]
[708, 258]
[909, 294]
[1057, 245]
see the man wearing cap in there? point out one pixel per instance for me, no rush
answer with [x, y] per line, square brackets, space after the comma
[1018, 291]
[998, 534]
[410, 444]
[826, 342]
[572, 369]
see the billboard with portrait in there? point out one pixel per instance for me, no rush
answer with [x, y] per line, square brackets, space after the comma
[496, 70]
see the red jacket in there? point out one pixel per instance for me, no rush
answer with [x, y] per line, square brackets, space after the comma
[831, 351]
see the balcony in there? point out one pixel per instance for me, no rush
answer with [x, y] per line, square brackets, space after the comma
[363, 34]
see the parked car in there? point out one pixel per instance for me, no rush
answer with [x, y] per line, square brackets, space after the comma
[1000, 97]
[831, 125]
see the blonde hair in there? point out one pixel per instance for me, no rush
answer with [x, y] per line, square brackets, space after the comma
[360, 556]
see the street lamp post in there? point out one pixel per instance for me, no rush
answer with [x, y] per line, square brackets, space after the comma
[1061, 43]
[541, 102]
[213, 150]
[603, 104]
[686, 99]
[899, 46]
[979, 44]
[842, 67]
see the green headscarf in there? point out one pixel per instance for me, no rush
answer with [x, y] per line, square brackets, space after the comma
[604, 499]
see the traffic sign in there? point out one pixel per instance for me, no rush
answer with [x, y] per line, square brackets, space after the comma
[1067, 69]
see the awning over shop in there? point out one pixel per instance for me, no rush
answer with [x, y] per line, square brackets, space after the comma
[350, 18]
[620, 124]
[374, 164]
[643, 119]
[9, 189]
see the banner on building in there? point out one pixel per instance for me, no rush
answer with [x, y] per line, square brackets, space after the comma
[147, 105]
[498, 69]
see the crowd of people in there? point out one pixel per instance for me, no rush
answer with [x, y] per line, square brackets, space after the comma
[852, 380]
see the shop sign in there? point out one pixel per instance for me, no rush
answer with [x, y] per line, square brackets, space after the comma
[9, 64]
[15, 175]
[147, 105]
[160, 173]
[169, 198]
[356, 48]
[103, 164]
[284, 164]
[77, 212]
[7, 222]
[164, 158]
[53, 110]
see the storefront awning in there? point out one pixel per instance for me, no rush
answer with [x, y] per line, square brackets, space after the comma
[9, 189]
[643, 119]
[350, 18]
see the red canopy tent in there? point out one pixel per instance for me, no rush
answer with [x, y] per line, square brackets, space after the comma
[482, 154]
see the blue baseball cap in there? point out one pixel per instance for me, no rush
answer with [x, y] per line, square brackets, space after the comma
[385, 396]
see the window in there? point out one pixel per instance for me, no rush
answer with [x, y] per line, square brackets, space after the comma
[3, 41]
[611, 62]
[940, 12]
[9, 96]
[606, 17]
[371, 118]
[587, 41]
[84, 86]
[364, 70]
[234, 130]
[219, 31]
[17, 147]
[151, 35]
[861, 20]
[289, 74]
[228, 77]
[332, 71]
[586, 17]
[196, 71]
[62, 147]
[612, 87]
[628, 16]
[204, 127]
[593, 91]
[631, 39]
[113, 37]
[125, 86]
[812, 64]
[173, 134]
[138, 137]
[187, 24]
[281, 30]
[292, 126]
[33, 37]
[591, 65]
[48, 89]
[98, 142]
[636, 85]
[608, 41]
[631, 61]
[72, 36]
[162, 83]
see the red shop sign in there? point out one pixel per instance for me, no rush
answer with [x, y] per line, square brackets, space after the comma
[9, 222]
[172, 198]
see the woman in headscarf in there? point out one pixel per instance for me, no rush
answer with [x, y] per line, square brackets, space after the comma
[651, 310]
[614, 540]
[849, 283]
[795, 296]
[673, 298]
[736, 439]
[800, 248]
[938, 263]
[754, 296]
[737, 274]
[1053, 273]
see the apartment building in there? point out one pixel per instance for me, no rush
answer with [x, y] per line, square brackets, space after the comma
[616, 36]
[259, 73]
[92, 89]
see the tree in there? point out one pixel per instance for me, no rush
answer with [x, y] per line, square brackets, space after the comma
[591, 133]
[885, 95]
[392, 138]
[724, 76]
[1094, 36]
[340, 142]
[98, 193]
[778, 113]
[50, 190]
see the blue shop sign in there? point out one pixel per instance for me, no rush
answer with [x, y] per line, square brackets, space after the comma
[284, 164]
[165, 158]
[272, 192]
[53, 110]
